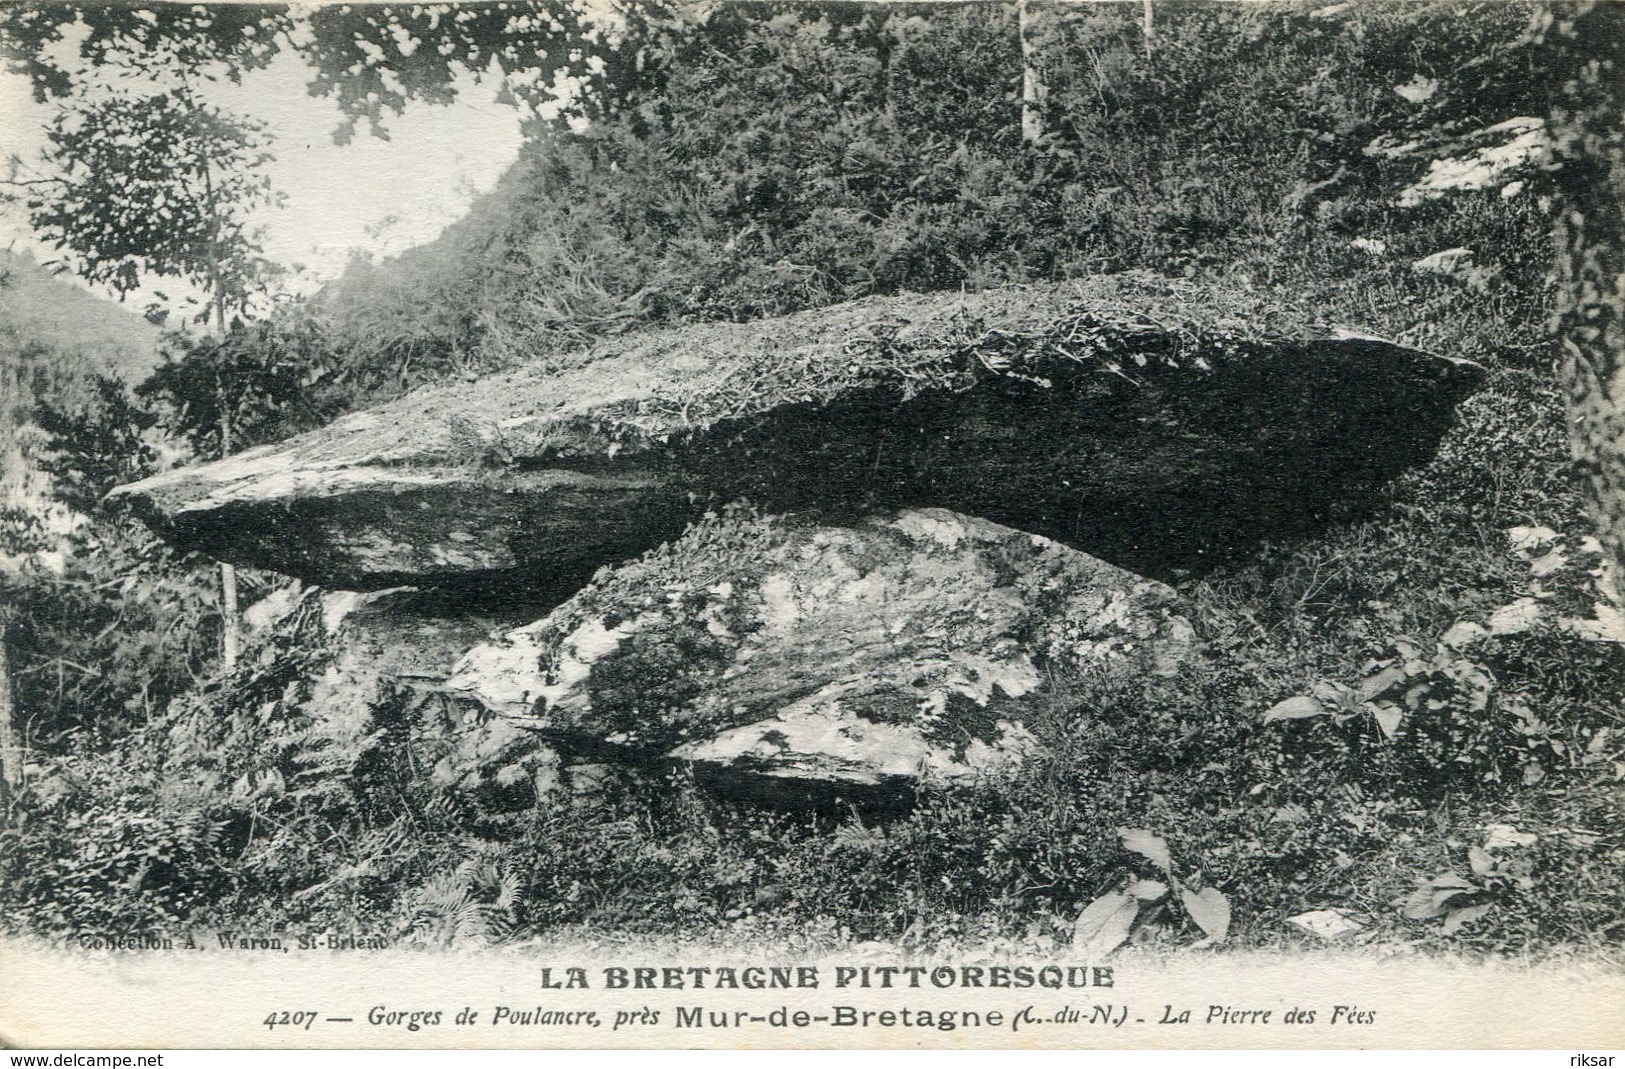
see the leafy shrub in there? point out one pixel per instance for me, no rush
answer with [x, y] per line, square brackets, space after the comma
[87, 853]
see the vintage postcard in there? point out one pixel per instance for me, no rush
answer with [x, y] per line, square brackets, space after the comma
[1033, 524]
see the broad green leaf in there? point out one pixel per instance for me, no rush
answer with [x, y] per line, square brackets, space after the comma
[1527, 539]
[1388, 718]
[1432, 899]
[1379, 682]
[1148, 890]
[1295, 709]
[1104, 924]
[1333, 695]
[1210, 909]
[1147, 845]
[1517, 617]
[1463, 915]
[1409, 650]
[1422, 904]
[1462, 634]
[1326, 923]
[1503, 836]
[1546, 565]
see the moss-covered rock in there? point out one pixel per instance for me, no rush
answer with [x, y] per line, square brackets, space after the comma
[912, 645]
[1160, 424]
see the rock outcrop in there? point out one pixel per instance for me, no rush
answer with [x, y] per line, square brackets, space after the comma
[922, 645]
[384, 641]
[1158, 424]
[339, 683]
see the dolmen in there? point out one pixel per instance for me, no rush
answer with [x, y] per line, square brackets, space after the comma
[847, 546]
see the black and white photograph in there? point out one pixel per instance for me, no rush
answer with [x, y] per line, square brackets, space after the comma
[677, 523]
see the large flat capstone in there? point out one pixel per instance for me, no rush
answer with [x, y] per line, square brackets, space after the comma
[767, 652]
[1162, 425]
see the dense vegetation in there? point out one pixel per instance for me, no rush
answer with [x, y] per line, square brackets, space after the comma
[1441, 758]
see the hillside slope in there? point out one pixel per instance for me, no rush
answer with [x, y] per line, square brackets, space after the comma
[55, 338]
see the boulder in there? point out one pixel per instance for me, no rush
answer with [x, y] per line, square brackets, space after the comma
[385, 657]
[385, 641]
[1162, 425]
[771, 652]
[390, 656]
[333, 684]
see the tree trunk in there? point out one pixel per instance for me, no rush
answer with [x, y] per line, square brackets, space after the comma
[1589, 145]
[1032, 78]
[11, 752]
[231, 639]
[1594, 351]
[1145, 25]
[230, 621]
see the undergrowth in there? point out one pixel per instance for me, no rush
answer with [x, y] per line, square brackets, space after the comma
[1392, 725]
[245, 810]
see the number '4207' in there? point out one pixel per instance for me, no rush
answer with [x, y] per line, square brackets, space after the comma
[291, 1019]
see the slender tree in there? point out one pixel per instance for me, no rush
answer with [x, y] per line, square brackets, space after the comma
[1032, 76]
[11, 756]
[1587, 124]
[161, 185]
